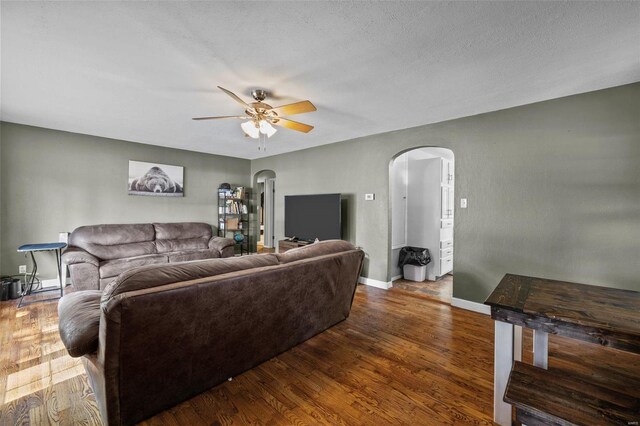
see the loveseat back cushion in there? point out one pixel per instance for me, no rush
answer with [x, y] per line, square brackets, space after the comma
[154, 276]
[115, 241]
[182, 236]
[316, 249]
[182, 230]
[79, 314]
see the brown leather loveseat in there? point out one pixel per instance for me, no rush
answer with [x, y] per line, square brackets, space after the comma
[159, 335]
[97, 254]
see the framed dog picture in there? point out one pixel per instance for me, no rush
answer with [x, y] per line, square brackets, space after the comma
[156, 180]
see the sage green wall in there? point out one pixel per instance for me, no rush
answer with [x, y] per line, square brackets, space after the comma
[1, 198]
[553, 190]
[54, 181]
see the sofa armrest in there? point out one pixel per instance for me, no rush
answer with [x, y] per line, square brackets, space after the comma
[73, 255]
[79, 325]
[83, 267]
[84, 276]
[220, 243]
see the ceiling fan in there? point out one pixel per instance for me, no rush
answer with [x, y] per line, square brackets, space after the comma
[261, 117]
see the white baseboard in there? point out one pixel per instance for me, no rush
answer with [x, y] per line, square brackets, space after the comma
[375, 283]
[397, 277]
[471, 306]
[53, 282]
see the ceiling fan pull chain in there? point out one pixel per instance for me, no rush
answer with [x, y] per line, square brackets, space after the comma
[262, 142]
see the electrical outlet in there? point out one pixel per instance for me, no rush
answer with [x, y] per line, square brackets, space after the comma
[369, 197]
[22, 269]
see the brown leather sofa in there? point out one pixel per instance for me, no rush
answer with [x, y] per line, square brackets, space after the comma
[97, 254]
[159, 335]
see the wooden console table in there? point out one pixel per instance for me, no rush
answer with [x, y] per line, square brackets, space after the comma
[600, 315]
[284, 245]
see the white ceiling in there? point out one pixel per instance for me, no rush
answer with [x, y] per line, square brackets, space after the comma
[139, 71]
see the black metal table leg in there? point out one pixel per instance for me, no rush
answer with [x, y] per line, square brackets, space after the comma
[61, 279]
[29, 284]
[32, 277]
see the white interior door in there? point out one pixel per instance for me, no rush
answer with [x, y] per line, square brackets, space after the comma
[269, 195]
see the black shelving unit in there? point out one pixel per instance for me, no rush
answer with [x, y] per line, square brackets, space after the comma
[233, 216]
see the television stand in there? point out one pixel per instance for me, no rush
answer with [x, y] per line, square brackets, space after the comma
[284, 245]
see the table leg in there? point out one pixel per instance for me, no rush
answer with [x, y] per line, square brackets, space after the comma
[540, 349]
[59, 265]
[32, 278]
[503, 362]
[517, 343]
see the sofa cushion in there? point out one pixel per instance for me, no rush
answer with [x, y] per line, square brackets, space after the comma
[190, 244]
[111, 268]
[152, 276]
[79, 314]
[316, 249]
[184, 256]
[182, 230]
[115, 241]
[172, 237]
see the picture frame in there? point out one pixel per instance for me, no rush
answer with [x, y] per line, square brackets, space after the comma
[155, 179]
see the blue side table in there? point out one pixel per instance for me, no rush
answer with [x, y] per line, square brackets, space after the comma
[32, 248]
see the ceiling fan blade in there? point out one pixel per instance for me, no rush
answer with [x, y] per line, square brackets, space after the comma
[242, 117]
[295, 108]
[293, 125]
[235, 97]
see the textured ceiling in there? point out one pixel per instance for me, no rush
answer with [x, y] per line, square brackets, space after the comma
[139, 71]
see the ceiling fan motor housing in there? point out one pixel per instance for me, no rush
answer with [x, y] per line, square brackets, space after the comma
[259, 95]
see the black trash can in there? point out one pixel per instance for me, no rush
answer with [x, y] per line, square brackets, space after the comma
[15, 288]
[4, 290]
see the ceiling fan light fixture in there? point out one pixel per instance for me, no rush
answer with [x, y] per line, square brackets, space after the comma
[261, 117]
[250, 129]
[267, 129]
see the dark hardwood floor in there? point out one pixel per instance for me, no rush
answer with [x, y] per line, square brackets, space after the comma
[397, 359]
[441, 290]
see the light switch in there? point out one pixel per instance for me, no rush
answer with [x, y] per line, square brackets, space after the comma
[369, 197]
[463, 203]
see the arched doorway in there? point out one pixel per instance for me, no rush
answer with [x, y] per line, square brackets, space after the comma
[421, 191]
[265, 184]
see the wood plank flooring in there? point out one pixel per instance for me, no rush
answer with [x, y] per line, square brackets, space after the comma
[39, 382]
[441, 290]
[397, 359]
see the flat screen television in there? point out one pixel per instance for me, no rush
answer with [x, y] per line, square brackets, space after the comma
[308, 217]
